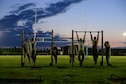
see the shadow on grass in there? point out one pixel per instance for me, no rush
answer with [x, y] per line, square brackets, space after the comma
[71, 79]
[117, 79]
[20, 81]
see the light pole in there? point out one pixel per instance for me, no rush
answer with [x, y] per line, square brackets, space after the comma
[124, 34]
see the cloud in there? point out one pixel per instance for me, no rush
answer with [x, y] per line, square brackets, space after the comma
[23, 16]
[23, 7]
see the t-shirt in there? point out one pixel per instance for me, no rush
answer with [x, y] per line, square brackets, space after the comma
[95, 43]
[26, 47]
[70, 50]
[81, 45]
[108, 49]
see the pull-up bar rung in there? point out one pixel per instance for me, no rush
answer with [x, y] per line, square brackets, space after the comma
[88, 31]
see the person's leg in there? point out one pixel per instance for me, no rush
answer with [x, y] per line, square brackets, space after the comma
[82, 58]
[108, 60]
[24, 58]
[79, 58]
[33, 57]
[70, 58]
[94, 55]
[96, 59]
[55, 56]
[73, 58]
[51, 63]
[28, 55]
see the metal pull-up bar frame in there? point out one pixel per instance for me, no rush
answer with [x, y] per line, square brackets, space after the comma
[102, 50]
[88, 31]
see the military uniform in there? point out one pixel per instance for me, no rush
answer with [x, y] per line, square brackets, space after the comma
[81, 51]
[33, 50]
[95, 47]
[54, 52]
[107, 52]
[26, 50]
[70, 53]
[95, 50]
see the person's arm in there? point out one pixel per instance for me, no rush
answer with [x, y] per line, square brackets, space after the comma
[84, 37]
[91, 36]
[35, 38]
[77, 36]
[98, 36]
[69, 49]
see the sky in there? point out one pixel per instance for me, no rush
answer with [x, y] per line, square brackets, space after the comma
[63, 16]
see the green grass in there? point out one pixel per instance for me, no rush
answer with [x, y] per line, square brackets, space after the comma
[63, 72]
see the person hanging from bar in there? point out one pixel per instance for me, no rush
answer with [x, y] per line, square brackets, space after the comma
[81, 50]
[70, 53]
[95, 47]
[33, 49]
[54, 53]
[107, 52]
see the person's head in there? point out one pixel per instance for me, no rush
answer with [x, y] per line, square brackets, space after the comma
[26, 40]
[54, 45]
[80, 40]
[32, 39]
[106, 43]
[94, 38]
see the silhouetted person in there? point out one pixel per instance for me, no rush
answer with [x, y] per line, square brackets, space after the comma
[26, 50]
[70, 52]
[54, 53]
[81, 51]
[107, 52]
[95, 47]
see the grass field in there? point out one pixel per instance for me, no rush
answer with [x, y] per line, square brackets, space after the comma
[63, 72]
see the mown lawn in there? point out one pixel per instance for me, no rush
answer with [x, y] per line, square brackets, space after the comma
[63, 72]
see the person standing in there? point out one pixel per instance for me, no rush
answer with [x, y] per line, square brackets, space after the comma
[72, 57]
[81, 51]
[95, 47]
[33, 50]
[107, 52]
[54, 53]
[26, 50]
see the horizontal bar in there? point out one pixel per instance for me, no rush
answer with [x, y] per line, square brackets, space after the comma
[34, 33]
[58, 41]
[54, 41]
[43, 37]
[89, 31]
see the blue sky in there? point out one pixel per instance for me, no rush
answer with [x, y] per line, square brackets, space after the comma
[63, 16]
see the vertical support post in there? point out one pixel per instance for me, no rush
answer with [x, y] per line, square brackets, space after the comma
[22, 56]
[72, 46]
[52, 50]
[102, 51]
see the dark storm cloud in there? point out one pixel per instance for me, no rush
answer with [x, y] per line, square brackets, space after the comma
[26, 13]
[24, 7]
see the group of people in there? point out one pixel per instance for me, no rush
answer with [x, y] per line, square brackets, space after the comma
[80, 50]
[95, 51]
[29, 47]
